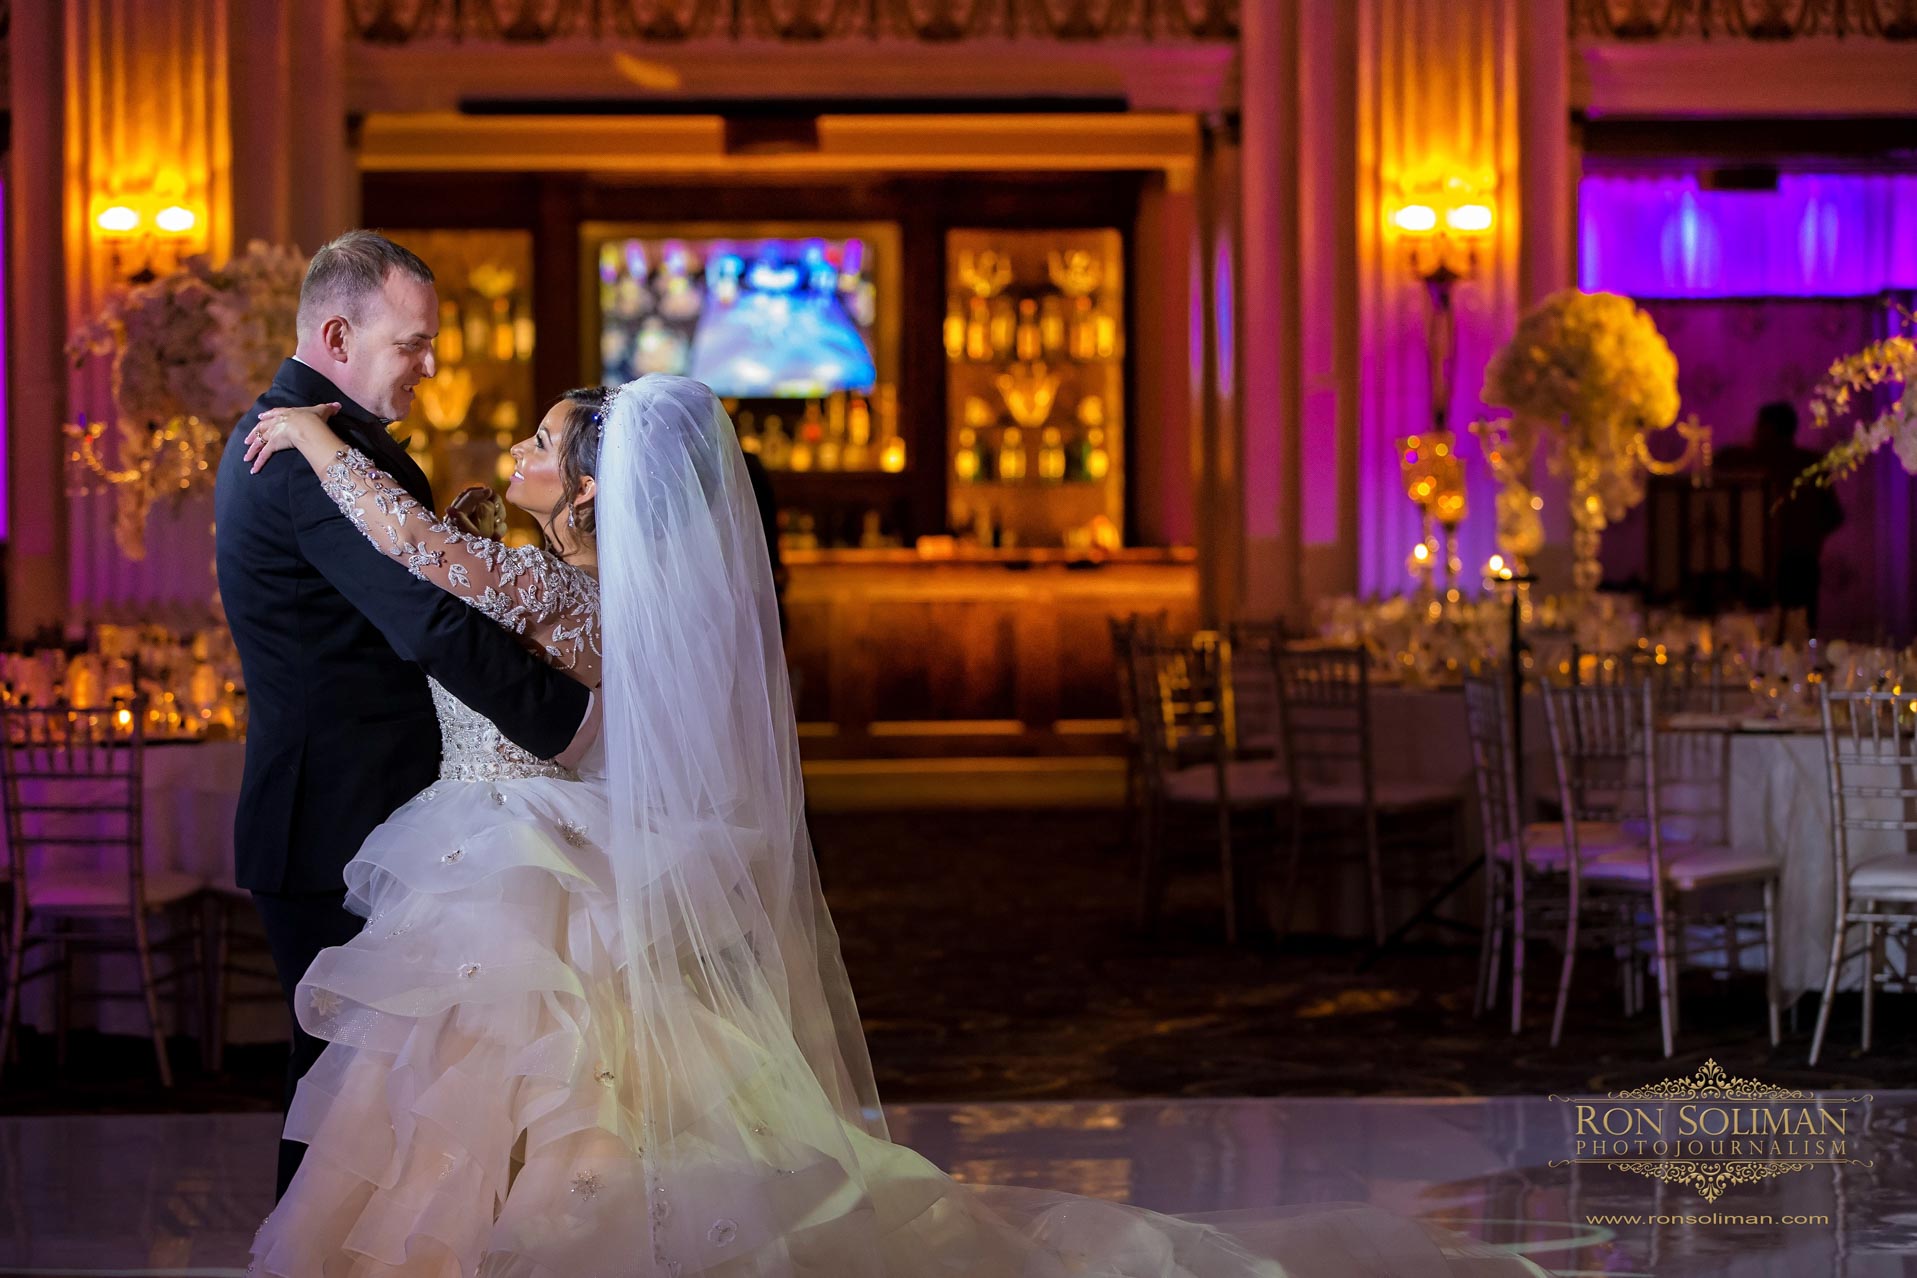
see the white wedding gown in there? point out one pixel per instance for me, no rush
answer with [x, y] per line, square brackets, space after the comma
[474, 1112]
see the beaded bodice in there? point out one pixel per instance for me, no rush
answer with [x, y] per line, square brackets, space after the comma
[472, 749]
[552, 605]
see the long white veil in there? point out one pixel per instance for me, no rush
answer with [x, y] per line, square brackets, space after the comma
[748, 1043]
[745, 1112]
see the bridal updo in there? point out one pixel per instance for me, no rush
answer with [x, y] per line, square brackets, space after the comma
[586, 410]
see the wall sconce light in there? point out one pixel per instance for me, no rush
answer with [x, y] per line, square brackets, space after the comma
[1442, 243]
[1443, 227]
[156, 239]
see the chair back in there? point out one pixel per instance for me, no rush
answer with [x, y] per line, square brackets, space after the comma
[1324, 710]
[1189, 717]
[1870, 739]
[1687, 780]
[1597, 744]
[1132, 636]
[1684, 682]
[71, 783]
[1487, 710]
[1255, 646]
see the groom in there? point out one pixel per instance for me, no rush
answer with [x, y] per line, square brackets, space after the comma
[336, 639]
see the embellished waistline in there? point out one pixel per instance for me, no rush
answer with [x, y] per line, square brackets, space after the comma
[493, 769]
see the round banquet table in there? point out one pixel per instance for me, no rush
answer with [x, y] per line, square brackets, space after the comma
[1780, 801]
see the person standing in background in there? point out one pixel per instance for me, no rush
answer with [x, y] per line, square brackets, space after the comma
[1799, 522]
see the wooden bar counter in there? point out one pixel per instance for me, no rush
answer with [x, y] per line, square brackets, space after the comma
[987, 652]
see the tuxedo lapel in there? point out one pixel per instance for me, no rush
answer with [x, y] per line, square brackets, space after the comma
[301, 384]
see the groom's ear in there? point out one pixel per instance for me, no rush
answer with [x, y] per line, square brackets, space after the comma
[336, 336]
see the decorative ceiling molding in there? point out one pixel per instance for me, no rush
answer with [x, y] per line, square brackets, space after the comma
[1764, 20]
[403, 22]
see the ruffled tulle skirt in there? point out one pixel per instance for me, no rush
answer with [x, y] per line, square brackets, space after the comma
[470, 1116]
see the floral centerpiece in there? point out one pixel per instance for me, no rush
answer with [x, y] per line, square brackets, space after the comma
[1588, 374]
[190, 352]
[1849, 386]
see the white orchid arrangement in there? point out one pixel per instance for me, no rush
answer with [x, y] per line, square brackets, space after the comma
[1846, 391]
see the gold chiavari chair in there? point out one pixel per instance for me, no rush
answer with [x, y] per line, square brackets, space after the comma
[1615, 762]
[1870, 739]
[1132, 636]
[1194, 769]
[71, 780]
[1255, 686]
[1324, 710]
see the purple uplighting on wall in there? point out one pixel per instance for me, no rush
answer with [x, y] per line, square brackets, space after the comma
[5, 390]
[1816, 235]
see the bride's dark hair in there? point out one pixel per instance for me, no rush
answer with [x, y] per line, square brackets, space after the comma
[579, 454]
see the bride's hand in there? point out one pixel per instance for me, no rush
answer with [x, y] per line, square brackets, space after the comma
[282, 428]
[479, 511]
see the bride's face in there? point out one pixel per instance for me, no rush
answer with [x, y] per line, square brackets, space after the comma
[538, 483]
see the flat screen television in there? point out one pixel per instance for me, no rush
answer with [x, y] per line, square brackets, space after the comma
[755, 312]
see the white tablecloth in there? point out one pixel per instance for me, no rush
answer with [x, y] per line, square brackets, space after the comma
[190, 793]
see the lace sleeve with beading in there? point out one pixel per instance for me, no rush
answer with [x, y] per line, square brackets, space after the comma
[552, 605]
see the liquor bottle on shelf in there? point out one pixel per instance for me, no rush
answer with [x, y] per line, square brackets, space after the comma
[807, 436]
[1004, 327]
[858, 435]
[450, 347]
[775, 448]
[968, 464]
[1051, 326]
[832, 446]
[1105, 334]
[747, 427]
[1011, 454]
[1028, 342]
[478, 330]
[978, 331]
[892, 455]
[1084, 330]
[1051, 455]
[523, 332]
[1094, 459]
[502, 329]
[955, 328]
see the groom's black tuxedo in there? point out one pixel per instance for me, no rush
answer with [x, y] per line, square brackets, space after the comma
[336, 641]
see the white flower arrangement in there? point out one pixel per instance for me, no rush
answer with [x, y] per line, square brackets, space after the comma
[1845, 390]
[1590, 373]
[191, 350]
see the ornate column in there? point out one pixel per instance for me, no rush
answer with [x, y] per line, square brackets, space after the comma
[1327, 313]
[1439, 85]
[1548, 167]
[148, 103]
[146, 125]
[1263, 293]
[36, 369]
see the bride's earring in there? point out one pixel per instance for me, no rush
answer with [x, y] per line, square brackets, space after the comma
[570, 522]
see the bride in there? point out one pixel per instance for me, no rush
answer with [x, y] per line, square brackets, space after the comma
[597, 1023]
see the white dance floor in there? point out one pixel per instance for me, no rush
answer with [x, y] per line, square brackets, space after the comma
[181, 1195]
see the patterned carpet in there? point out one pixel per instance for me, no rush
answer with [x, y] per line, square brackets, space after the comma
[995, 957]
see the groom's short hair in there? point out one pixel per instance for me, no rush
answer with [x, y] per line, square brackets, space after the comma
[345, 272]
